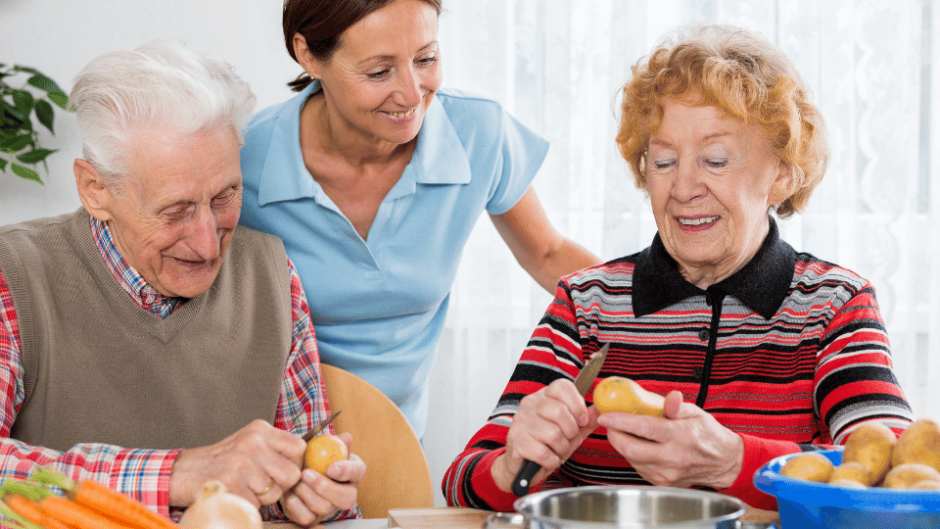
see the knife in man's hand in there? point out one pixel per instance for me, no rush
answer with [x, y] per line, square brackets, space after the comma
[319, 428]
[523, 479]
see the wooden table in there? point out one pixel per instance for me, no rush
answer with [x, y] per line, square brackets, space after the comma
[436, 518]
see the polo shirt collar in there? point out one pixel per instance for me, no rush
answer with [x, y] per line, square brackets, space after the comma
[762, 285]
[439, 156]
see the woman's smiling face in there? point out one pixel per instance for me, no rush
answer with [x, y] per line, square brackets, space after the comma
[711, 180]
[384, 74]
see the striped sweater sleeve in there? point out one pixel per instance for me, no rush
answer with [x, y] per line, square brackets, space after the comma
[854, 383]
[553, 352]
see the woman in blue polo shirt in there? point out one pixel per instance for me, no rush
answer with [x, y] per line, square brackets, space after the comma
[374, 179]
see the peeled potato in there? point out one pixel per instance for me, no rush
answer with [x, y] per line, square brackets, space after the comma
[871, 444]
[920, 443]
[851, 471]
[906, 475]
[809, 466]
[324, 450]
[625, 395]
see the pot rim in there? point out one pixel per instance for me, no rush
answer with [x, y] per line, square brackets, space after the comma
[540, 496]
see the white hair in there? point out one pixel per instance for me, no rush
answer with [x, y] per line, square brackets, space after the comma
[161, 87]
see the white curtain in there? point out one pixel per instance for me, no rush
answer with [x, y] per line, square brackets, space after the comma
[557, 66]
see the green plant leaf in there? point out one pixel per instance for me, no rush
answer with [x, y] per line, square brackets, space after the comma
[16, 143]
[45, 114]
[59, 98]
[26, 69]
[27, 173]
[35, 155]
[3, 164]
[42, 82]
[11, 117]
[23, 101]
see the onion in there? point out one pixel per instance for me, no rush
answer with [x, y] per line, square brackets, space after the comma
[216, 508]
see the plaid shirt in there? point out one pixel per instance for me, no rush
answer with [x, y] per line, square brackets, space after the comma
[139, 473]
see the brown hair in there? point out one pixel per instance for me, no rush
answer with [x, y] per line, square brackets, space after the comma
[322, 23]
[741, 73]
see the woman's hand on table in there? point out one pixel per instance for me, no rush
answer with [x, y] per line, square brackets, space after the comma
[689, 447]
[549, 425]
[316, 497]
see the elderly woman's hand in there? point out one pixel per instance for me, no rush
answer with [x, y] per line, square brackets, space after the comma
[549, 425]
[689, 447]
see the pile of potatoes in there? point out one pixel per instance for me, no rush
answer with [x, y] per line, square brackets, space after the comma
[873, 457]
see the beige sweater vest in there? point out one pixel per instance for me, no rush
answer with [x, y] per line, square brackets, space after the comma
[98, 368]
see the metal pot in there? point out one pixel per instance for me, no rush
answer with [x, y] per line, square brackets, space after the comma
[622, 507]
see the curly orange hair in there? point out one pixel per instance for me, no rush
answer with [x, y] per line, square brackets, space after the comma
[741, 73]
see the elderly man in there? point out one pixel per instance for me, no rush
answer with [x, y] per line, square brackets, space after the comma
[146, 342]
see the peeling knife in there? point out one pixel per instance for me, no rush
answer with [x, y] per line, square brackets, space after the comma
[319, 428]
[520, 485]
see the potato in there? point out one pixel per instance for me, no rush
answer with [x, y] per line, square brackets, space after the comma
[625, 395]
[905, 475]
[926, 484]
[920, 443]
[872, 445]
[809, 466]
[851, 471]
[850, 483]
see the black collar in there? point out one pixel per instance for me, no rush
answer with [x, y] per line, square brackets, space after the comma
[762, 284]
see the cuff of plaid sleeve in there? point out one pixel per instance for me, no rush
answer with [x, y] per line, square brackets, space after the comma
[145, 476]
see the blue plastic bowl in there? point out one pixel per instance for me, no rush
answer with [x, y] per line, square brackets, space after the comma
[808, 505]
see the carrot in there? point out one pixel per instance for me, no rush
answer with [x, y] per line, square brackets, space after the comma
[10, 513]
[48, 522]
[24, 506]
[105, 501]
[77, 515]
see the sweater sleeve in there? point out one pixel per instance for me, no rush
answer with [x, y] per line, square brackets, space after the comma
[855, 380]
[553, 351]
[854, 383]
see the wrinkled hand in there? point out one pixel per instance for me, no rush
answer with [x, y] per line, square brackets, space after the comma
[315, 497]
[258, 462]
[549, 425]
[689, 447]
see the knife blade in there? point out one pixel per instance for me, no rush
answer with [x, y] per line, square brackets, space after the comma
[319, 428]
[583, 382]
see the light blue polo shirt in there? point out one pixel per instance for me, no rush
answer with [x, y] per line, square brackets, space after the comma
[378, 305]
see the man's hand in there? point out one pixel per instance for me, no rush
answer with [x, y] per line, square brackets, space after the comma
[688, 447]
[258, 462]
[549, 425]
[316, 496]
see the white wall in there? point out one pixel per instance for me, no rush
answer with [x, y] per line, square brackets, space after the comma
[58, 37]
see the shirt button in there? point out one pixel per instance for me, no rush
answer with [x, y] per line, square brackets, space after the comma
[703, 335]
[697, 372]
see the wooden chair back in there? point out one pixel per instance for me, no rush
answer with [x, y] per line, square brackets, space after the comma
[397, 474]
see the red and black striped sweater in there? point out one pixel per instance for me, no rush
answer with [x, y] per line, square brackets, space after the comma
[790, 352]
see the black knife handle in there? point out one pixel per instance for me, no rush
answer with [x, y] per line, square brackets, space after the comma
[520, 485]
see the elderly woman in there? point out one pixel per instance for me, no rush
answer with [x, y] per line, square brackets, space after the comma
[759, 350]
